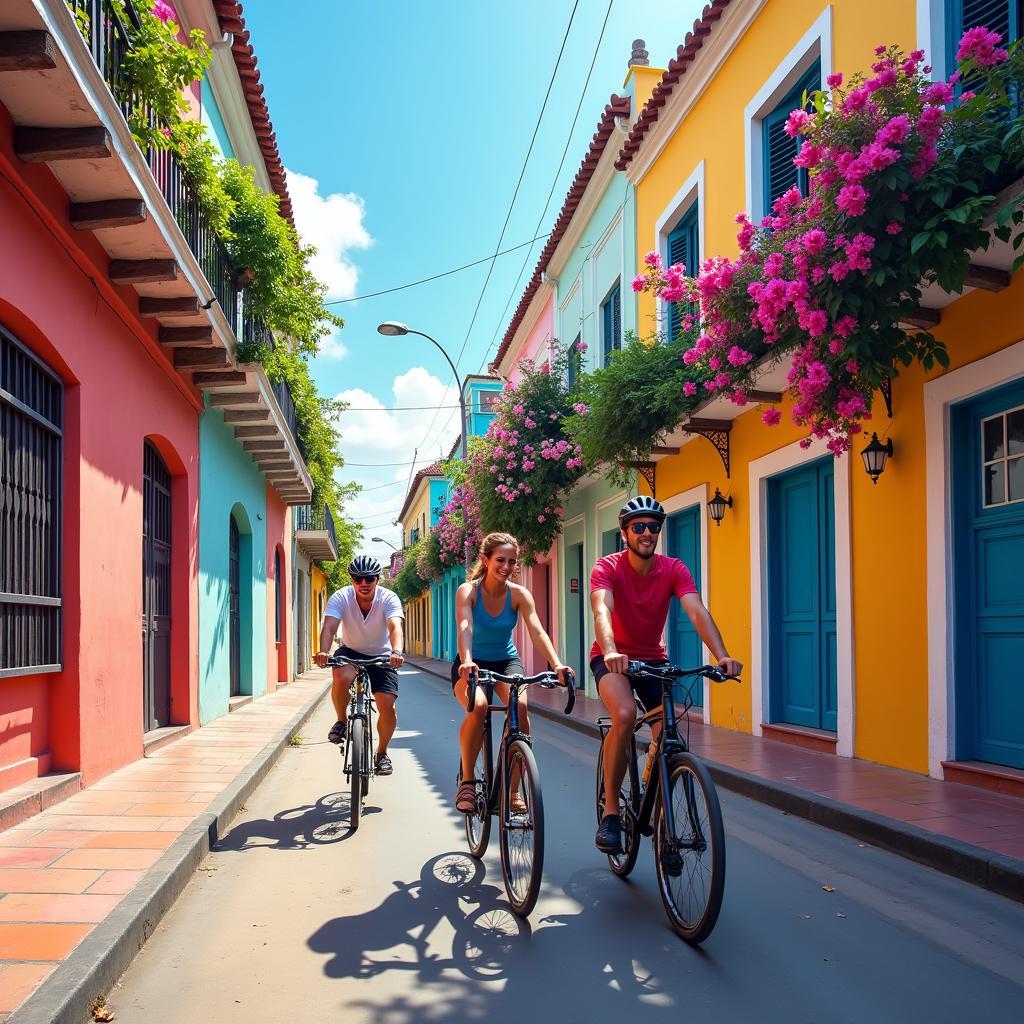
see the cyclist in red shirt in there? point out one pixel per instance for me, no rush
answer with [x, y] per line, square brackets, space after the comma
[630, 593]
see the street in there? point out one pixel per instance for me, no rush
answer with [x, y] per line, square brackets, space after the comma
[293, 917]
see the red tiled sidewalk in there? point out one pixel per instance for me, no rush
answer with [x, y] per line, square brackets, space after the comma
[985, 819]
[64, 870]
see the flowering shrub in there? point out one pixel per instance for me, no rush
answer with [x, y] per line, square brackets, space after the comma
[409, 583]
[903, 181]
[457, 527]
[524, 462]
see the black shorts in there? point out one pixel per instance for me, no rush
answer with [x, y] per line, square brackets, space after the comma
[648, 691]
[506, 666]
[383, 678]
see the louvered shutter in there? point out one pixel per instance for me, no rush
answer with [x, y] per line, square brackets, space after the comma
[779, 149]
[1002, 16]
[611, 321]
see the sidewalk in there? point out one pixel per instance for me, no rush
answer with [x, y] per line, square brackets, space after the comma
[973, 834]
[84, 883]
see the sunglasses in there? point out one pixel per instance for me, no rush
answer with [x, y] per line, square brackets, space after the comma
[364, 579]
[639, 528]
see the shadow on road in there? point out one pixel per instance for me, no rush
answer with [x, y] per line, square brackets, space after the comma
[317, 824]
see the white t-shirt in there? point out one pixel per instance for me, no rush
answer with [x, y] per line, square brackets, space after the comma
[366, 634]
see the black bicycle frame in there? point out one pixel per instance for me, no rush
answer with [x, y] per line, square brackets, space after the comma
[510, 732]
[363, 709]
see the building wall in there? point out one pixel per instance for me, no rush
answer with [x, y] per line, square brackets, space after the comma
[318, 606]
[279, 654]
[88, 717]
[302, 611]
[230, 484]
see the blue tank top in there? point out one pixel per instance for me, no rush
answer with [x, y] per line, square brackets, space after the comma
[492, 634]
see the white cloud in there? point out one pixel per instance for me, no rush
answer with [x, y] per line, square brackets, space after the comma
[334, 224]
[332, 347]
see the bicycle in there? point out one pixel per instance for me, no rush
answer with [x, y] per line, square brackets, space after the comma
[357, 762]
[512, 794]
[687, 830]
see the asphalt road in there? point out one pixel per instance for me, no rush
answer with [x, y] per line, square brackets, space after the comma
[295, 918]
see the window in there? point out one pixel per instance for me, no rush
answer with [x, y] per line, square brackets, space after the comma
[489, 401]
[574, 366]
[31, 514]
[683, 247]
[1002, 16]
[1002, 448]
[278, 597]
[611, 321]
[779, 149]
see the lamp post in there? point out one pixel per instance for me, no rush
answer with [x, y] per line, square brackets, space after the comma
[381, 540]
[392, 329]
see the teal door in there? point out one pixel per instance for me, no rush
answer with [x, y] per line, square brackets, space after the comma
[575, 632]
[684, 646]
[802, 597]
[988, 574]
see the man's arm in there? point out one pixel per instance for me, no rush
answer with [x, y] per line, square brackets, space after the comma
[327, 634]
[708, 631]
[396, 631]
[603, 604]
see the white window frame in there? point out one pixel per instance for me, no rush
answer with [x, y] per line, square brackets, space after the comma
[603, 289]
[939, 395]
[931, 35]
[815, 44]
[692, 190]
[761, 470]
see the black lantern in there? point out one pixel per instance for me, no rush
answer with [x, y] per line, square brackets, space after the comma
[717, 506]
[874, 456]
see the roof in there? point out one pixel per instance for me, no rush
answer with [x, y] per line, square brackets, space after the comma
[685, 56]
[618, 106]
[434, 469]
[229, 16]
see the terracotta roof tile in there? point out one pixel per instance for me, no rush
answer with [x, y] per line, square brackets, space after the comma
[229, 16]
[618, 106]
[685, 55]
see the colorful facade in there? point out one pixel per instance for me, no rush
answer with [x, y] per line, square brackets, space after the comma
[134, 446]
[418, 516]
[849, 647]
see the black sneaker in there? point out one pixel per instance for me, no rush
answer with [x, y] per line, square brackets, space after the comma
[384, 766]
[609, 834]
[337, 733]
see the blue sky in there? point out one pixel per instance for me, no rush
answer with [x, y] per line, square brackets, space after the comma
[404, 127]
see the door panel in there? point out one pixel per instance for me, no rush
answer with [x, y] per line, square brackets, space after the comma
[575, 633]
[683, 641]
[156, 590]
[234, 611]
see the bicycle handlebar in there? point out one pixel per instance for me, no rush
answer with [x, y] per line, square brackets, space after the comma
[337, 660]
[549, 680]
[666, 672]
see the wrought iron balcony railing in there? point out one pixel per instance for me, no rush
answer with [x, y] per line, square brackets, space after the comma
[316, 520]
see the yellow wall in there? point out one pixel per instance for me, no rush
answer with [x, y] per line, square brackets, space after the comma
[888, 552]
[418, 631]
[317, 605]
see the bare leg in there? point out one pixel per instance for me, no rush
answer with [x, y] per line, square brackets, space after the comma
[339, 690]
[387, 719]
[617, 696]
[471, 732]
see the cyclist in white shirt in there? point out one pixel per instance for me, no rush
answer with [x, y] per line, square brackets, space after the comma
[371, 621]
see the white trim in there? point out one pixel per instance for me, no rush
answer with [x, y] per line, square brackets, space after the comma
[725, 36]
[931, 35]
[816, 43]
[761, 470]
[692, 190]
[697, 496]
[956, 386]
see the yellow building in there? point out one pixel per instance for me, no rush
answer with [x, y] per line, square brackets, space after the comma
[417, 516]
[874, 621]
[317, 607]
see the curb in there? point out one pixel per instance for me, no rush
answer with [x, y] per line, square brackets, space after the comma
[101, 958]
[965, 861]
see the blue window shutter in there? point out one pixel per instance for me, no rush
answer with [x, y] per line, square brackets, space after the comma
[611, 321]
[1002, 16]
[683, 247]
[779, 149]
[575, 362]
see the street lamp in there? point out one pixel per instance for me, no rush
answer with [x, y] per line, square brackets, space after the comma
[393, 329]
[381, 540]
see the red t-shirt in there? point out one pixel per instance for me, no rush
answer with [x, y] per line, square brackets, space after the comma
[641, 602]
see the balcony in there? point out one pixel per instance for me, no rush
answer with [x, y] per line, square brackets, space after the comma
[69, 105]
[314, 532]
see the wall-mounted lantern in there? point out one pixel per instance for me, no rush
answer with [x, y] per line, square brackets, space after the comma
[875, 455]
[717, 506]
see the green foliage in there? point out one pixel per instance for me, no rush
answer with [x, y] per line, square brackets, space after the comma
[632, 402]
[429, 565]
[409, 584]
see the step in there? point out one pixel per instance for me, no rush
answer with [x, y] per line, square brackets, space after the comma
[800, 736]
[983, 775]
[31, 798]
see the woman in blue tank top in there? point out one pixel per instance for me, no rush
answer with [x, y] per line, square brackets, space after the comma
[487, 609]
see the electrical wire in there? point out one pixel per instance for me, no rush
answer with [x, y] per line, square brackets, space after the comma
[436, 277]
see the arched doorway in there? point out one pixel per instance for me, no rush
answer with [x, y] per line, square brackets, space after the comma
[156, 590]
[234, 610]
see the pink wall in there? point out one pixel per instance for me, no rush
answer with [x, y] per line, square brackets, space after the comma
[535, 344]
[278, 518]
[119, 390]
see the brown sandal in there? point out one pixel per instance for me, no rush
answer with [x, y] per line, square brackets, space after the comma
[465, 797]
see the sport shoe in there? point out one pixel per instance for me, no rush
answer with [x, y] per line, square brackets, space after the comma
[337, 733]
[609, 834]
[384, 766]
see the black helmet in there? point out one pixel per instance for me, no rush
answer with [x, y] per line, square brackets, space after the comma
[364, 565]
[641, 505]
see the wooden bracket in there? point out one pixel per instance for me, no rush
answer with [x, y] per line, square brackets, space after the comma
[715, 431]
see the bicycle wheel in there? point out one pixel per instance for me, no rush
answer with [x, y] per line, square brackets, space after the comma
[367, 762]
[478, 824]
[621, 863]
[691, 864]
[356, 754]
[521, 827]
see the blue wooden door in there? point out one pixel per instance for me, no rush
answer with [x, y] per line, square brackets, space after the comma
[802, 597]
[988, 487]
[684, 646]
